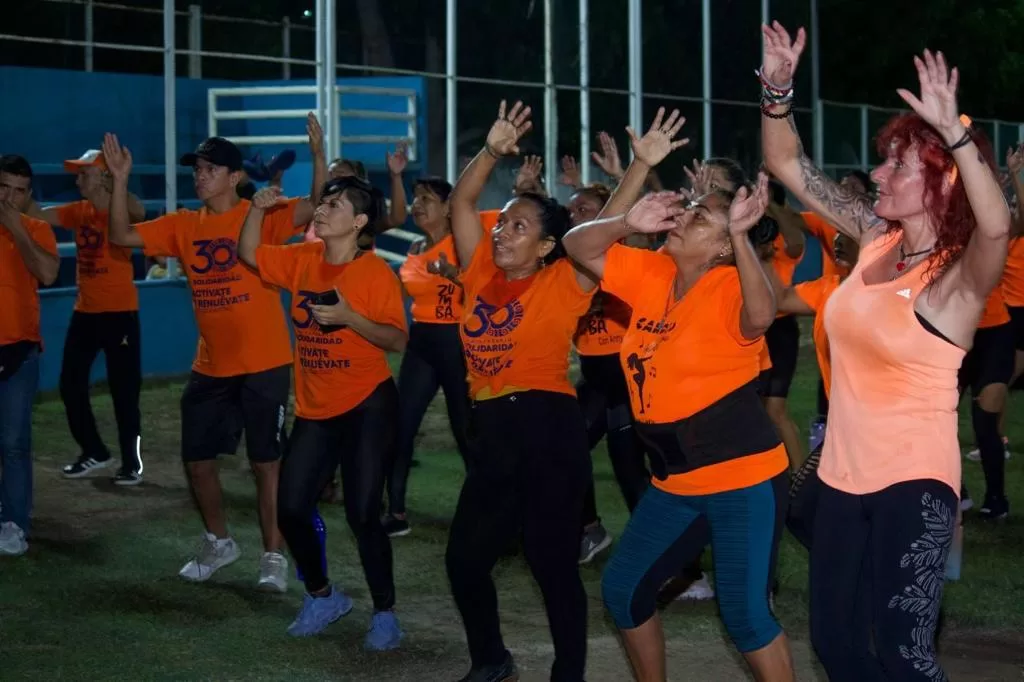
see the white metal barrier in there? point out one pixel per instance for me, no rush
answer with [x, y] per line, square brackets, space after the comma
[334, 135]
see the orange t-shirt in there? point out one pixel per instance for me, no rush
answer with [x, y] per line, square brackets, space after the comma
[19, 289]
[995, 312]
[435, 300]
[242, 329]
[823, 231]
[523, 340]
[337, 370]
[680, 357]
[489, 218]
[106, 277]
[815, 293]
[1013, 276]
[600, 331]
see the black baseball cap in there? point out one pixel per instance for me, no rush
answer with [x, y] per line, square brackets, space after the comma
[218, 151]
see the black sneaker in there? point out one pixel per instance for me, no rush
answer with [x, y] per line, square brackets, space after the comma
[994, 509]
[505, 672]
[83, 465]
[395, 527]
[127, 477]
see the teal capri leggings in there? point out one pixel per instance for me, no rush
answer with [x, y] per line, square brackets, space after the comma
[668, 531]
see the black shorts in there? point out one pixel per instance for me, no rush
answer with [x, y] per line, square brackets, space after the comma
[990, 360]
[215, 410]
[1017, 322]
[783, 339]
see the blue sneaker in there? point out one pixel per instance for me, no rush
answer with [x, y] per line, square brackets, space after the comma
[384, 633]
[319, 612]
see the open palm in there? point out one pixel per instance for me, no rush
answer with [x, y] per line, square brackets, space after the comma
[504, 136]
[748, 207]
[656, 212]
[937, 104]
[781, 54]
[117, 158]
[658, 141]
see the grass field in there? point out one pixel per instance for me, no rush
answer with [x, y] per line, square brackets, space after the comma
[98, 597]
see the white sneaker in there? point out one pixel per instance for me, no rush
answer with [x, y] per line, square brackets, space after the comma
[975, 454]
[273, 572]
[12, 540]
[213, 555]
[699, 590]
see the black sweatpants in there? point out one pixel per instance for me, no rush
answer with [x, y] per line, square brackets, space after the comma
[885, 551]
[433, 359]
[604, 400]
[362, 441]
[528, 470]
[117, 335]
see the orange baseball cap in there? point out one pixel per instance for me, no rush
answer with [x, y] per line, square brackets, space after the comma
[93, 158]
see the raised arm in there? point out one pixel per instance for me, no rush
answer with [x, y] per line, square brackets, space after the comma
[43, 265]
[783, 152]
[305, 207]
[252, 229]
[399, 202]
[503, 139]
[786, 298]
[648, 152]
[759, 307]
[119, 163]
[588, 244]
[981, 266]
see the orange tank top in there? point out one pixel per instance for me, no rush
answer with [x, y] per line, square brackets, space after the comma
[893, 405]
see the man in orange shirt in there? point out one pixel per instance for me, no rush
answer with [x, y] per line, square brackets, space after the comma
[28, 257]
[240, 377]
[106, 318]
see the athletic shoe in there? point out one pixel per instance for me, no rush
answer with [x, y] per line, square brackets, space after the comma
[213, 555]
[394, 526]
[384, 633]
[994, 509]
[12, 539]
[273, 572]
[83, 465]
[594, 541]
[699, 590]
[127, 477]
[504, 672]
[318, 613]
[975, 454]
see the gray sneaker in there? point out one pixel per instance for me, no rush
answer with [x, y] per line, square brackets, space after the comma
[595, 541]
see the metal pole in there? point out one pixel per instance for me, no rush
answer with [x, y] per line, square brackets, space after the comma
[286, 47]
[584, 92]
[170, 120]
[865, 137]
[331, 79]
[195, 41]
[766, 16]
[819, 109]
[318, 20]
[550, 104]
[450, 119]
[636, 58]
[706, 78]
[88, 35]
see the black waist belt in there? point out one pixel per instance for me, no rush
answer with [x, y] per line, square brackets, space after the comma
[735, 426]
[13, 355]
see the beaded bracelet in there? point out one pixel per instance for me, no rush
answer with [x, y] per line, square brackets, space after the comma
[771, 90]
[768, 113]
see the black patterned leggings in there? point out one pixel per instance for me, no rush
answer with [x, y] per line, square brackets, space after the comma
[885, 551]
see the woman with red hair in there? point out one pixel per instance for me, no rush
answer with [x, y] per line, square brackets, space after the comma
[933, 246]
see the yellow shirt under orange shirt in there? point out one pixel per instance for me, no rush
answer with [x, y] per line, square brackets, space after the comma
[337, 370]
[242, 329]
[106, 276]
[682, 356]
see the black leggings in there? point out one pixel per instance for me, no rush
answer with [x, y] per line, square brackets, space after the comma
[884, 552]
[528, 470]
[433, 358]
[604, 400]
[362, 440]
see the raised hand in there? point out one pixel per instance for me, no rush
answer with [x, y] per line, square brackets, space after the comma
[748, 207]
[657, 143]
[445, 269]
[117, 158]
[700, 178]
[1015, 160]
[781, 54]
[267, 197]
[503, 138]
[656, 212]
[528, 178]
[608, 159]
[399, 160]
[937, 104]
[571, 175]
[316, 135]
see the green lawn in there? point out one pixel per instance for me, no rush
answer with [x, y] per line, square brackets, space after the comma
[98, 597]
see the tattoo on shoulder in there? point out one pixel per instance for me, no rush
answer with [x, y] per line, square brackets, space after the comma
[853, 209]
